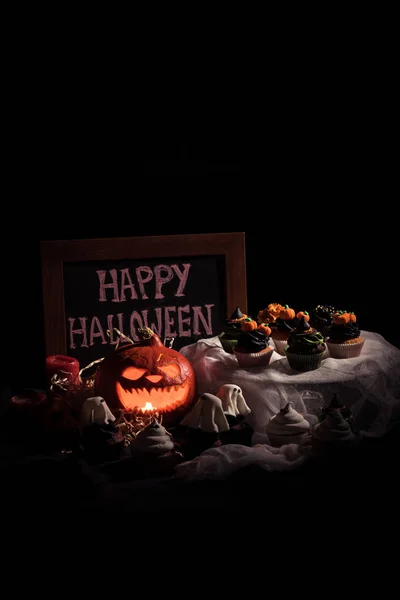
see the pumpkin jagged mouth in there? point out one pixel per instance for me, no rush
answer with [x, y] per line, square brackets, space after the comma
[159, 397]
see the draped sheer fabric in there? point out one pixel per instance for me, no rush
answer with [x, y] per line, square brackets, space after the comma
[368, 384]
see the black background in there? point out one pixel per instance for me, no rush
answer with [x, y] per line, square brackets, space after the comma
[299, 124]
[315, 202]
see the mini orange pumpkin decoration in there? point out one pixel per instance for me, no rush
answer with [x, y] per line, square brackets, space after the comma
[287, 313]
[341, 318]
[147, 376]
[302, 314]
[353, 317]
[248, 325]
[265, 329]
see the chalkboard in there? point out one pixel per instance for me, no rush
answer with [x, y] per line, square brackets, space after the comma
[183, 287]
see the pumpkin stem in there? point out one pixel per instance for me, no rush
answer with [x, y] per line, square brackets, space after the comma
[148, 337]
[145, 333]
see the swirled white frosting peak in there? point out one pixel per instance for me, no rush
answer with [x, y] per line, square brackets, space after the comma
[334, 428]
[288, 422]
[153, 439]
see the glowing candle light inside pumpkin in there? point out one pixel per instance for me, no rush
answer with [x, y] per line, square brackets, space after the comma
[148, 376]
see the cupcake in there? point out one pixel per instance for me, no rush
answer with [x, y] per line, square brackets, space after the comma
[305, 348]
[154, 449]
[288, 427]
[232, 330]
[321, 318]
[253, 349]
[333, 433]
[282, 328]
[344, 339]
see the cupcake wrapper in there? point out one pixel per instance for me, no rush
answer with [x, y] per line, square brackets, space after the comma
[305, 362]
[282, 440]
[280, 346]
[228, 344]
[253, 359]
[345, 350]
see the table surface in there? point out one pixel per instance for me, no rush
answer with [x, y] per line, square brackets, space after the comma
[369, 384]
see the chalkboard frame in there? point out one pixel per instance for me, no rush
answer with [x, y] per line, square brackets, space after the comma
[55, 253]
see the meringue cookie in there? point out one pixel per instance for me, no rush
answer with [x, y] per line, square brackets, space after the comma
[153, 439]
[287, 427]
[334, 428]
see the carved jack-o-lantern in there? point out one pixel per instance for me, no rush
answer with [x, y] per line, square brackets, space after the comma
[147, 376]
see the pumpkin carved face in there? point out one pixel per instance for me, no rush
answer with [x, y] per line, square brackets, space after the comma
[146, 376]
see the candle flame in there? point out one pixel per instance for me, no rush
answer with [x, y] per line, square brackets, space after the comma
[147, 406]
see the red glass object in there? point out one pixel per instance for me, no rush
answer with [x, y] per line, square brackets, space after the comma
[65, 367]
[28, 412]
[28, 398]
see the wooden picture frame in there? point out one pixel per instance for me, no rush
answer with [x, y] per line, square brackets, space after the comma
[54, 254]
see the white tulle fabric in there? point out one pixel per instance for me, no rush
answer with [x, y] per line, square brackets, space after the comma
[369, 384]
[219, 463]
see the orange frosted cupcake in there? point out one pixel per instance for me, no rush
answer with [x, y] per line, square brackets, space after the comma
[270, 314]
[344, 339]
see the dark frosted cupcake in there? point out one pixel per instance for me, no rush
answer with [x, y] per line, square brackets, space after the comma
[253, 349]
[232, 330]
[344, 339]
[306, 347]
[283, 327]
[321, 318]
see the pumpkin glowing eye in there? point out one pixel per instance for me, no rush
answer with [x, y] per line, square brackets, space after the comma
[154, 378]
[133, 373]
[172, 370]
